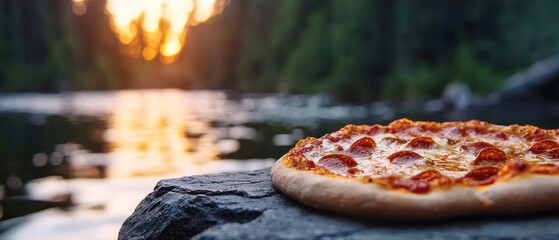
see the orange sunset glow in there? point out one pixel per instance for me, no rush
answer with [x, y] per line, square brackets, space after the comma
[146, 135]
[155, 28]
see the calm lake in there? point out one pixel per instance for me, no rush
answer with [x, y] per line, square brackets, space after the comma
[102, 152]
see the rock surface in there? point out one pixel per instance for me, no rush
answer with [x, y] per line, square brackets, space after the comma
[246, 206]
[538, 82]
[457, 96]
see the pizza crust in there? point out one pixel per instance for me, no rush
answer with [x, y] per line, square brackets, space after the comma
[525, 194]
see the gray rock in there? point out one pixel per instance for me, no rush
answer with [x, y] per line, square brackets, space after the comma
[538, 82]
[246, 206]
[457, 96]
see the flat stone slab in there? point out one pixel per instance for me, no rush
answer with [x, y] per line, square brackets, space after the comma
[246, 206]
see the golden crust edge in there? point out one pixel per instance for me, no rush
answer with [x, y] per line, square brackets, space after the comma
[534, 194]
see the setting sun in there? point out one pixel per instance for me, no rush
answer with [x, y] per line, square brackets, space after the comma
[151, 28]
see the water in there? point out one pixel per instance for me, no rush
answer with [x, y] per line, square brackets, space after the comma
[103, 152]
[151, 132]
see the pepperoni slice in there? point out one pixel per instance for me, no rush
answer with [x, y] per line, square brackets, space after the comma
[337, 162]
[404, 157]
[537, 135]
[354, 171]
[311, 146]
[421, 142]
[390, 130]
[502, 136]
[362, 147]
[543, 146]
[553, 153]
[476, 147]
[336, 137]
[428, 175]
[480, 130]
[490, 154]
[451, 141]
[482, 176]
[374, 129]
[364, 142]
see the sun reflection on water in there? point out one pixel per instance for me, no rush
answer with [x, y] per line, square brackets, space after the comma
[147, 135]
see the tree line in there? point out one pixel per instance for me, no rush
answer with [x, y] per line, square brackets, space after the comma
[357, 50]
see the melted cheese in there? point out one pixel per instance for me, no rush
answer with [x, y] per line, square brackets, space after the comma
[449, 160]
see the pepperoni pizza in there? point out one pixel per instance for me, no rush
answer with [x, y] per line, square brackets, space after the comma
[425, 170]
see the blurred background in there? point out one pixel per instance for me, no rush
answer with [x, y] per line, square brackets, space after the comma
[101, 99]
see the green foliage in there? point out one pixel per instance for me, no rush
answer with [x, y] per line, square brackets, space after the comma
[427, 80]
[43, 48]
[308, 62]
[358, 50]
[478, 76]
[404, 49]
[424, 81]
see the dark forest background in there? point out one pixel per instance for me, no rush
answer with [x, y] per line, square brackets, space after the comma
[358, 50]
